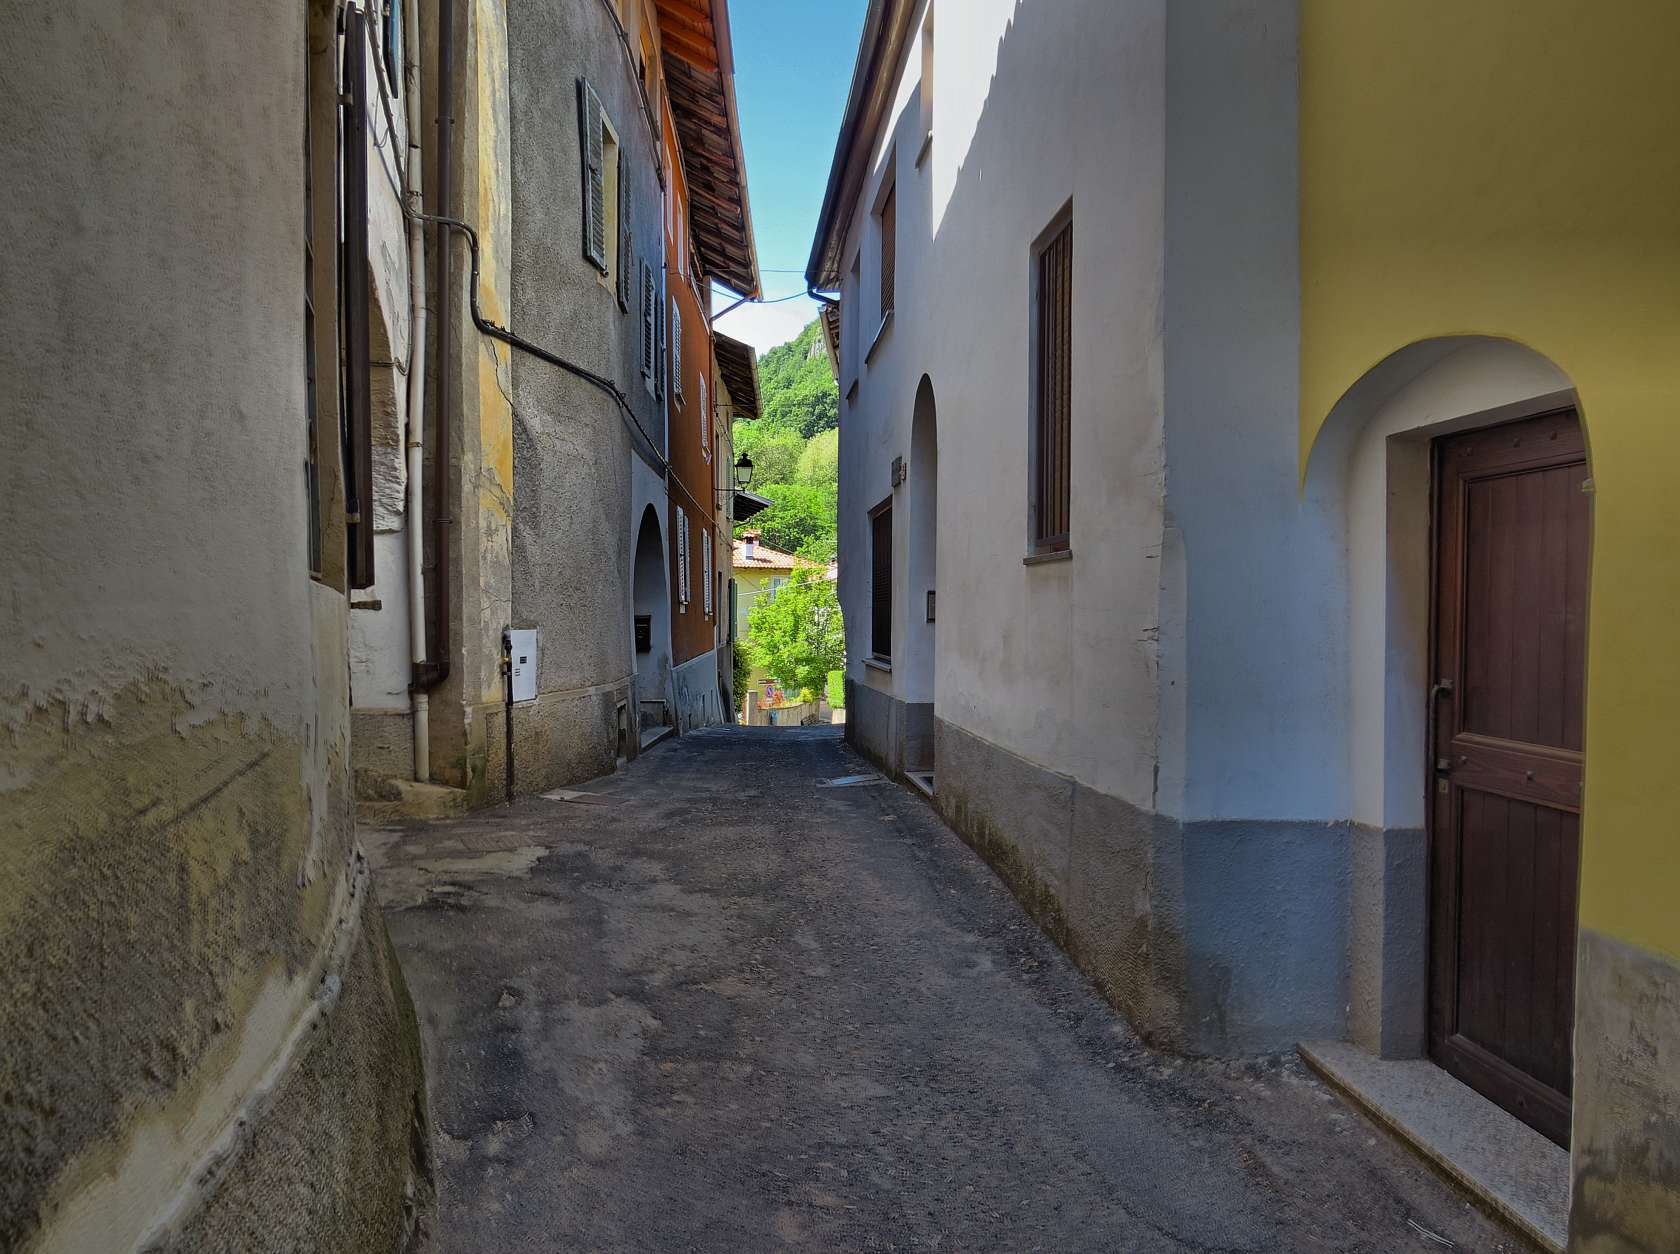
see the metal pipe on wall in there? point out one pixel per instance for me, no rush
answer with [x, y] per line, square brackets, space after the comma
[415, 533]
[429, 675]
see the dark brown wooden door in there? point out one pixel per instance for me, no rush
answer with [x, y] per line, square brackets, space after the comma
[1512, 537]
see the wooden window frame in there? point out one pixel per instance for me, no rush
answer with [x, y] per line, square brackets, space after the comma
[1050, 463]
[886, 219]
[880, 597]
[356, 374]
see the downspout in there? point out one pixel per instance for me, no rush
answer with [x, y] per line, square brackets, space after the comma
[431, 673]
[415, 532]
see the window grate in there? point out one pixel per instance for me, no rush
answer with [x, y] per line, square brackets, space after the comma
[889, 251]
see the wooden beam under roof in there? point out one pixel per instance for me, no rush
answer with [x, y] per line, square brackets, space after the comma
[694, 48]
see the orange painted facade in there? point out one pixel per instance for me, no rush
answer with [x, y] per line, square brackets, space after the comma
[690, 413]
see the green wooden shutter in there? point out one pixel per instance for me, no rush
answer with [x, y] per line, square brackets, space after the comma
[593, 150]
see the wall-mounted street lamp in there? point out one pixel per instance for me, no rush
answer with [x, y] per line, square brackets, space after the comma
[743, 471]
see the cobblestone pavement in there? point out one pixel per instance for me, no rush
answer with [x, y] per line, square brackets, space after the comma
[712, 1006]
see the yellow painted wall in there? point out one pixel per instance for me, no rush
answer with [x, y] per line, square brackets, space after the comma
[1512, 168]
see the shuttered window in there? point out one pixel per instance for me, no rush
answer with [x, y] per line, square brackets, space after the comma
[624, 263]
[706, 566]
[355, 315]
[705, 422]
[650, 316]
[889, 250]
[676, 350]
[880, 581]
[659, 337]
[682, 557]
[592, 146]
[1052, 403]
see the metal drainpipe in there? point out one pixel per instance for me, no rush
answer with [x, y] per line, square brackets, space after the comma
[436, 669]
[415, 530]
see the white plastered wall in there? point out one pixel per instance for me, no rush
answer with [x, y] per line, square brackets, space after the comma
[1056, 663]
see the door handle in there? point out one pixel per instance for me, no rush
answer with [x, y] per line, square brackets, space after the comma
[1442, 688]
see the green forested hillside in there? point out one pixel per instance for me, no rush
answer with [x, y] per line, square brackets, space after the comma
[795, 447]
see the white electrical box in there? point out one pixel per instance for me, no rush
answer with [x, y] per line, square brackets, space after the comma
[522, 644]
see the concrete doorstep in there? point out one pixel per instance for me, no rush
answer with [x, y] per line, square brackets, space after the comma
[1513, 1170]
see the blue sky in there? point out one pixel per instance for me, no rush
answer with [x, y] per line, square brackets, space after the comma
[793, 65]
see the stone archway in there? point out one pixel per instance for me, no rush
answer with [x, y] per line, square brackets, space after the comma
[651, 626]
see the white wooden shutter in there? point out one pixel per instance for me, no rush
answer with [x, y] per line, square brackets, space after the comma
[706, 567]
[682, 563]
[650, 297]
[676, 349]
[592, 148]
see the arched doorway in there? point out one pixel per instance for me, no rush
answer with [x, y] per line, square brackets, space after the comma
[920, 652]
[1456, 473]
[651, 642]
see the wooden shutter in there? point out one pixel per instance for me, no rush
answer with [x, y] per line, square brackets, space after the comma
[650, 312]
[1053, 404]
[676, 349]
[623, 233]
[889, 250]
[705, 419]
[593, 151]
[706, 566]
[880, 582]
[356, 357]
[682, 557]
[659, 368]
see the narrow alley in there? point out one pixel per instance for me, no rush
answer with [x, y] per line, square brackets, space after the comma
[707, 1003]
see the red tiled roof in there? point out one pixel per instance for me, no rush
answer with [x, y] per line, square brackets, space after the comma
[766, 558]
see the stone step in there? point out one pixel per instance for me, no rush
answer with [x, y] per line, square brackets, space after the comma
[400, 800]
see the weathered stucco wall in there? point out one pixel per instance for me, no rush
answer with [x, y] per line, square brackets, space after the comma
[182, 907]
[573, 451]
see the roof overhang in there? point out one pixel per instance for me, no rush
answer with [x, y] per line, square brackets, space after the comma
[830, 315]
[700, 80]
[749, 503]
[886, 29]
[738, 365]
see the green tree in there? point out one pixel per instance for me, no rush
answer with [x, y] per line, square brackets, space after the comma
[775, 451]
[819, 463]
[797, 386]
[798, 636]
[801, 516]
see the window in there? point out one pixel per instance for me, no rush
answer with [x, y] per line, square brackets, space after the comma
[682, 559]
[850, 330]
[889, 250]
[777, 583]
[676, 349]
[880, 581]
[706, 567]
[705, 422]
[599, 149]
[620, 263]
[355, 353]
[1052, 389]
[660, 333]
[650, 321]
